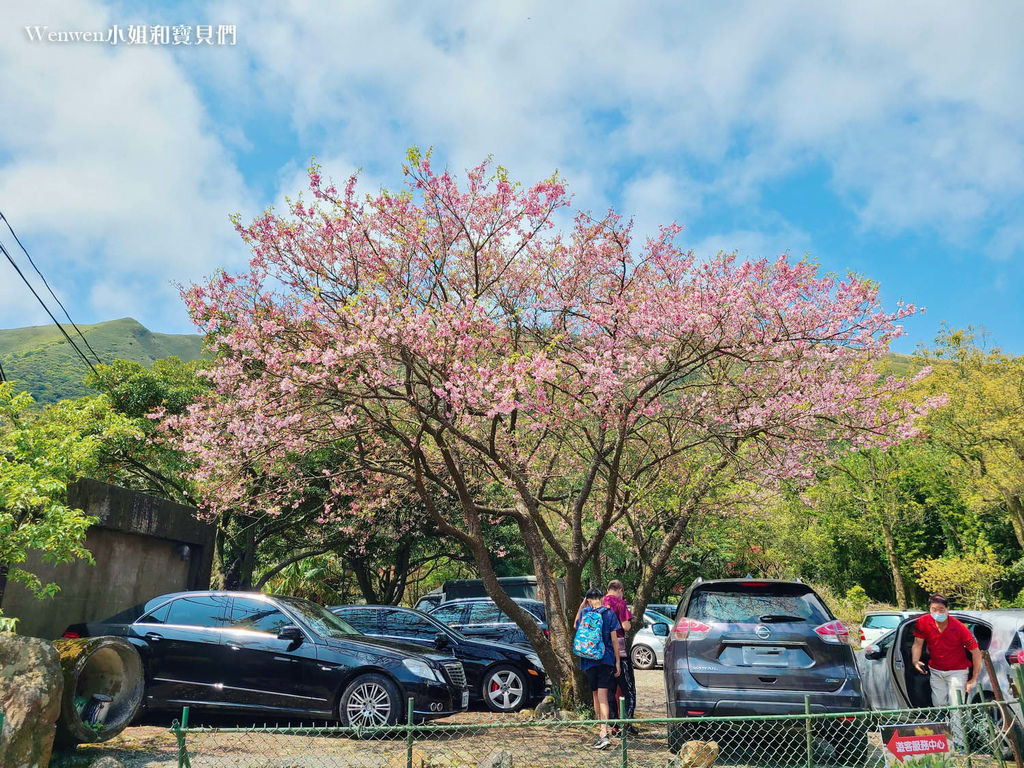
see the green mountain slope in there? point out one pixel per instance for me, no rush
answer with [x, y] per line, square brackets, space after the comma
[39, 360]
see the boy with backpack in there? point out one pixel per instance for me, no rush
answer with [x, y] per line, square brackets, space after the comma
[596, 646]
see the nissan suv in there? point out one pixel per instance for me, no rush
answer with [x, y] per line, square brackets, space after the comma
[758, 647]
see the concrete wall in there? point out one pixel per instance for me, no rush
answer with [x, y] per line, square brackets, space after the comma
[138, 546]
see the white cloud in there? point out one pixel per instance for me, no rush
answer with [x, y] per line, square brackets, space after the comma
[112, 163]
[670, 111]
[768, 242]
[914, 108]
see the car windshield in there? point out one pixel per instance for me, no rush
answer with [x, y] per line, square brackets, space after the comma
[756, 606]
[883, 621]
[319, 619]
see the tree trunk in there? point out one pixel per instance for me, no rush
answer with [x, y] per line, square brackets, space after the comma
[4, 568]
[1016, 517]
[897, 577]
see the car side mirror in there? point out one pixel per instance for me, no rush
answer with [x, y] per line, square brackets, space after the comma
[875, 654]
[291, 633]
[441, 642]
[660, 629]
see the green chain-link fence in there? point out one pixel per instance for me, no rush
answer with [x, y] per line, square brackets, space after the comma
[982, 734]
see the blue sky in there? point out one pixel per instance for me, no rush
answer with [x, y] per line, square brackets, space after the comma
[878, 137]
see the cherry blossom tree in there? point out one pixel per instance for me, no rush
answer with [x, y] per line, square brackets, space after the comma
[504, 368]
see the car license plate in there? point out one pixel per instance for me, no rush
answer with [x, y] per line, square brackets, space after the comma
[765, 655]
[465, 699]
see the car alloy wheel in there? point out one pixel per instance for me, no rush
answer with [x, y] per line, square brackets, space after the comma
[643, 657]
[369, 701]
[504, 690]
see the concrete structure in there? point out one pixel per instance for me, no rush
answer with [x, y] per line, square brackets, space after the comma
[144, 546]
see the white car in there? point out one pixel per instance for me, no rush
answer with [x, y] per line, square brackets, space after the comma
[648, 649]
[877, 623]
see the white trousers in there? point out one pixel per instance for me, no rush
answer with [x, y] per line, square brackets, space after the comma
[945, 686]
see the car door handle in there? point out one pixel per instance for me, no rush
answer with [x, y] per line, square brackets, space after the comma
[234, 647]
[285, 658]
[153, 637]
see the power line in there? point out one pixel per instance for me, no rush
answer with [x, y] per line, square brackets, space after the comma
[30, 261]
[43, 304]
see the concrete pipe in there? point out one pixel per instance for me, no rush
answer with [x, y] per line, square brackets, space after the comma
[104, 685]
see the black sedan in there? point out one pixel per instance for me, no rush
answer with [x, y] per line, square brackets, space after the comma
[248, 652]
[505, 677]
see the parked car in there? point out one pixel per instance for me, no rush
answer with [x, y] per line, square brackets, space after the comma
[758, 647]
[523, 587]
[248, 653]
[665, 609]
[890, 682]
[648, 648]
[877, 623]
[480, 619]
[505, 677]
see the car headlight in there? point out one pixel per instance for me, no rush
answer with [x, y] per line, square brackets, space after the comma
[534, 659]
[422, 669]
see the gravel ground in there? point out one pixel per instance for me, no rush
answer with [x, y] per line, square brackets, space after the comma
[152, 745]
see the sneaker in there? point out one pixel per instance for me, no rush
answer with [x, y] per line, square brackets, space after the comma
[631, 730]
[603, 742]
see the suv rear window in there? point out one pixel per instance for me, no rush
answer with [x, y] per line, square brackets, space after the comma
[756, 605]
[883, 621]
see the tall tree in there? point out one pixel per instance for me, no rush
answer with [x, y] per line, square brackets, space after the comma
[472, 353]
[40, 452]
[983, 420]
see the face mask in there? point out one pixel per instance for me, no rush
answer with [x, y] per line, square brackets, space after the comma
[940, 616]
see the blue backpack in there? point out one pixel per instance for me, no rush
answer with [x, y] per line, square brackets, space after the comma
[589, 640]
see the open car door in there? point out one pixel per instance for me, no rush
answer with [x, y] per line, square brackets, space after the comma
[913, 688]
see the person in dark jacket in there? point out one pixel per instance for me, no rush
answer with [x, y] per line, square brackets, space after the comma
[601, 673]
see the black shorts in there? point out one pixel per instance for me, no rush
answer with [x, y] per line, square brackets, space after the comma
[600, 676]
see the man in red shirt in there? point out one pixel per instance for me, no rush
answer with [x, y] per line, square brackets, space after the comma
[954, 660]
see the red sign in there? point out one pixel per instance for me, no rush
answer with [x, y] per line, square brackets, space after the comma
[903, 747]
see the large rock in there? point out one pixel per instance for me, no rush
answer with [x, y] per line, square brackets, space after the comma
[696, 754]
[499, 758]
[31, 683]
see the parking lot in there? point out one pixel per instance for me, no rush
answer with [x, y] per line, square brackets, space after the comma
[152, 744]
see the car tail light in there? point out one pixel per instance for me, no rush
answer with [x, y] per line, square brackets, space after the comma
[690, 629]
[862, 638]
[71, 635]
[834, 632]
[1015, 657]
[547, 633]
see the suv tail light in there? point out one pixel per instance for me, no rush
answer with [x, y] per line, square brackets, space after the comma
[834, 632]
[70, 635]
[862, 638]
[1015, 657]
[690, 629]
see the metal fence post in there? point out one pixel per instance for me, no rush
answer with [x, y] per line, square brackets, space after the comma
[408, 735]
[623, 732]
[180, 729]
[807, 728]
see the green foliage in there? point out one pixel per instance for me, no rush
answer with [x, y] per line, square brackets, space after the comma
[139, 459]
[39, 360]
[40, 452]
[970, 579]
